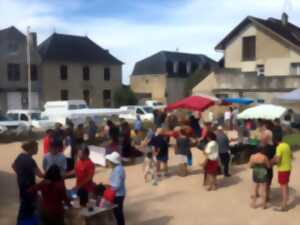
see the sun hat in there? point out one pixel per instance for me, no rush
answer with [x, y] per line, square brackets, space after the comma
[114, 158]
[220, 127]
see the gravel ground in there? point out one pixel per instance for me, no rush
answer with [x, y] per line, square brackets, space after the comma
[176, 200]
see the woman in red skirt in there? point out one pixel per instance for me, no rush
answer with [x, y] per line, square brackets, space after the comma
[212, 164]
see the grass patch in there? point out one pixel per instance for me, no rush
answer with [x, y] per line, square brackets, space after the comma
[292, 139]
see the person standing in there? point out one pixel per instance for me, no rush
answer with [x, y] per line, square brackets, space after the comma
[84, 172]
[277, 132]
[224, 151]
[138, 124]
[259, 163]
[26, 169]
[54, 197]
[283, 159]
[47, 140]
[117, 183]
[183, 150]
[55, 157]
[212, 165]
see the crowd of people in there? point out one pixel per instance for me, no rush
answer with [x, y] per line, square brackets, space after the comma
[66, 155]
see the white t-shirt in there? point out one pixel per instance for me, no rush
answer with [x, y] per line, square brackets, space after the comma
[227, 115]
[212, 150]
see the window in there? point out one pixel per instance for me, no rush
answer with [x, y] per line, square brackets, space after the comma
[64, 95]
[182, 68]
[106, 74]
[221, 95]
[13, 72]
[249, 48]
[34, 72]
[12, 47]
[86, 96]
[194, 67]
[106, 98]
[86, 73]
[63, 72]
[24, 117]
[260, 69]
[139, 111]
[295, 69]
[170, 67]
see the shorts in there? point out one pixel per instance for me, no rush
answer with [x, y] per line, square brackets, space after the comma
[284, 177]
[162, 158]
[212, 167]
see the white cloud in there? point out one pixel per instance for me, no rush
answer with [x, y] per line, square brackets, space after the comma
[195, 27]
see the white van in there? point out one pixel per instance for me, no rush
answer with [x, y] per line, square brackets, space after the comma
[33, 118]
[145, 113]
[77, 111]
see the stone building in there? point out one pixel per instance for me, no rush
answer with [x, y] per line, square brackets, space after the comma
[13, 70]
[74, 67]
[164, 75]
[261, 59]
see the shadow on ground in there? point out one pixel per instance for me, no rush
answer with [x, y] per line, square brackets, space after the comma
[164, 220]
[8, 198]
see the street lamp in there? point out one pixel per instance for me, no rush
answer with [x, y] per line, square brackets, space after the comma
[28, 70]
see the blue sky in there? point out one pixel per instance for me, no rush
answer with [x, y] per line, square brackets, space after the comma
[135, 29]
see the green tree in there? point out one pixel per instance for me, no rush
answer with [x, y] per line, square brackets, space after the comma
[124, 96]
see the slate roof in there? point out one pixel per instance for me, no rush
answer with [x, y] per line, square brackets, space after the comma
[157, 63]
[289, 33]
[10, 30]
[63, 47]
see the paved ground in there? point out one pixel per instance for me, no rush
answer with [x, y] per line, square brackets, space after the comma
[175, 201]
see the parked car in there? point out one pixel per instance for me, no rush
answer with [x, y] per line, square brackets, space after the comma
[10, 126]
[33, 118]
[3, 129]
[145, 112]
[155, 104]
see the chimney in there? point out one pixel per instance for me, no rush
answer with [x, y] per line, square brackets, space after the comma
[284, 19]
[33, 39]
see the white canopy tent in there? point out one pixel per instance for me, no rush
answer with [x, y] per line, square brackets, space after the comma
[265, 111]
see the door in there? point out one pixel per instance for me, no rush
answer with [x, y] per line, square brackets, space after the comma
[14, 100]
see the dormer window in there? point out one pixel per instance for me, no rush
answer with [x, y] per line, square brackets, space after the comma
[170, 67]
[249, 48]
[182, 68]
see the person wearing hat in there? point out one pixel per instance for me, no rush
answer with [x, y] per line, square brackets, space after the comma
[224, 151]
[117, 183]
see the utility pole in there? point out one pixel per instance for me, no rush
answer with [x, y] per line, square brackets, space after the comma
[29, 69]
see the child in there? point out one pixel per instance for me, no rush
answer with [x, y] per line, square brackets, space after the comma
[54, 196]
[150, 168]
[108, 198]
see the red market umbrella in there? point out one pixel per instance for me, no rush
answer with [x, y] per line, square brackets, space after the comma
[197, 103]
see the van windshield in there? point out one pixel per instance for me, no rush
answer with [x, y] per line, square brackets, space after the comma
[72, 107]
[12, 116]
[36, 116]
[148, 109]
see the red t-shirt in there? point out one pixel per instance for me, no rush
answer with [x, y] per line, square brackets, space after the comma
[53, 196]
[46, 143]
[84, 169]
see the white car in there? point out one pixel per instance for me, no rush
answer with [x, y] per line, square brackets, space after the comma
[155, 104]
[9, 126]
[3, 129]
[32, 118]
[145, 113]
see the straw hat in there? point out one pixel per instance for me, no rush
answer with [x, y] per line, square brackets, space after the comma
[114, 158]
